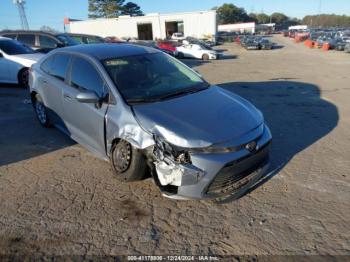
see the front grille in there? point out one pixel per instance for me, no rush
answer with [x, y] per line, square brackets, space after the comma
[238, 173]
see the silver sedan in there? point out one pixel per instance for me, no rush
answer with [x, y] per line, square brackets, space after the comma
[149, 114]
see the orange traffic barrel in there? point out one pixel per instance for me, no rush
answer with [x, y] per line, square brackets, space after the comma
[326, 47]
[308, 42]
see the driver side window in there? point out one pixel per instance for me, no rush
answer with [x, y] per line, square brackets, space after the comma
[85, 76]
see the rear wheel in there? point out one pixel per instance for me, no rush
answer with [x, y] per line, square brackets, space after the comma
[23, 76]
[41, 112]
[205, 57]
[128, 163]
[181, 55]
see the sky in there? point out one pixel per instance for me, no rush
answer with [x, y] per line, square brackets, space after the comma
[52, 12]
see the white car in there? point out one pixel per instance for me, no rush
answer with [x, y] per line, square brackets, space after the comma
[178, 36]
[15, 60]
[196, 51]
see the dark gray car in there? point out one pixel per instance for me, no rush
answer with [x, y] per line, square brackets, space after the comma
[148, 113]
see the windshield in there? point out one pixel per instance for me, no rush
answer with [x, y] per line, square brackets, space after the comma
[67, 40]
[152, 77]
[13, 47]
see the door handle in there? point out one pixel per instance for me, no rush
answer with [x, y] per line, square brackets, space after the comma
[66, 96]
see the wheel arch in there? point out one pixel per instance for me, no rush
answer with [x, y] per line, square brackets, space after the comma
[33, 95]
[20, 72]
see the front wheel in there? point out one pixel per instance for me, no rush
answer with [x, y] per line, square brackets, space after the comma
[128, 163]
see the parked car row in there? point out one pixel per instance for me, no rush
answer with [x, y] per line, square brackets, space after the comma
[327, 39]
[20, 49]
[188, 48]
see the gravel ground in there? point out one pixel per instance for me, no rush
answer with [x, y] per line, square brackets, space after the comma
[56, 198]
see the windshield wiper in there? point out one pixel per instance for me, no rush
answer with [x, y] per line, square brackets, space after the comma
[181, 92]
[167, 96]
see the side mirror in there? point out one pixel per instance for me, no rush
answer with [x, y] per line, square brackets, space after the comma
[88, 97]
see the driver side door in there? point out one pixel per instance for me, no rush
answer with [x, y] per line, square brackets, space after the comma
[85, 121]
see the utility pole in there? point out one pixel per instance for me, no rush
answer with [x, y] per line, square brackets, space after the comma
[319, 13]
[22, 13]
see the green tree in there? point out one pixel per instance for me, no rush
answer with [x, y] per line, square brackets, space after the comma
[229, 13]
[253, 17]
[327, 20]
[279, 18]
[131, 9]
[263, 18]
[108, 8]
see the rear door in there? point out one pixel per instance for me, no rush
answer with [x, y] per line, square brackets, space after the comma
[85, 121]
[53, 85]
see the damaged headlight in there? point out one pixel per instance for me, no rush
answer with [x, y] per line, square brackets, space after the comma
[173, 165]
[163, 150]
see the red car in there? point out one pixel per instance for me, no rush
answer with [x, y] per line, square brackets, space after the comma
[167, 47]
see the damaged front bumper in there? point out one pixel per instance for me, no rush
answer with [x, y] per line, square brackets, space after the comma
[208, 175]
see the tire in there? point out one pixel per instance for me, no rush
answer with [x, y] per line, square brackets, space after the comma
[22, 77]
[41, 112]
[181, 55]
[205, 57]
[128, 163]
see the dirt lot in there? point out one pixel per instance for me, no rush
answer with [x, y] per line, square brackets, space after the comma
[56, 198]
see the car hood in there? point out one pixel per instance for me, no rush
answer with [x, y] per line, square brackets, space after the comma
[202, 119]
[26, 60]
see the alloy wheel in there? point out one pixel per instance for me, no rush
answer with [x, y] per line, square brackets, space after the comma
[40, 112]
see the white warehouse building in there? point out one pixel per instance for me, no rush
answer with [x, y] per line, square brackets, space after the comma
[151, 26]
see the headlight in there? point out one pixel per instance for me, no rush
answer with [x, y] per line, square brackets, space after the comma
[164, 149]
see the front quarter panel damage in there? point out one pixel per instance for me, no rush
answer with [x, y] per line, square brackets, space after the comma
[121, 124]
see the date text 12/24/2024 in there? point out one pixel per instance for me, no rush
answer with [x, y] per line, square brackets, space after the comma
[173, 258]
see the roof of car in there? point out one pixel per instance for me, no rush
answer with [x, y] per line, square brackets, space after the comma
[5, 38]
[106, 51]
[27, 32]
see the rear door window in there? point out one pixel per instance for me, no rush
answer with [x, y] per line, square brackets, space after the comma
[85, 76]
[59, 66]
[28, 39]
[47, 64]
[46, 41]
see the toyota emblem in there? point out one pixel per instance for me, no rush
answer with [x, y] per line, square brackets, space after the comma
[251, 146]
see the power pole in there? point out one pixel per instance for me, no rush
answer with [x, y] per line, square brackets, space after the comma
[22, 13]
[319, 12]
